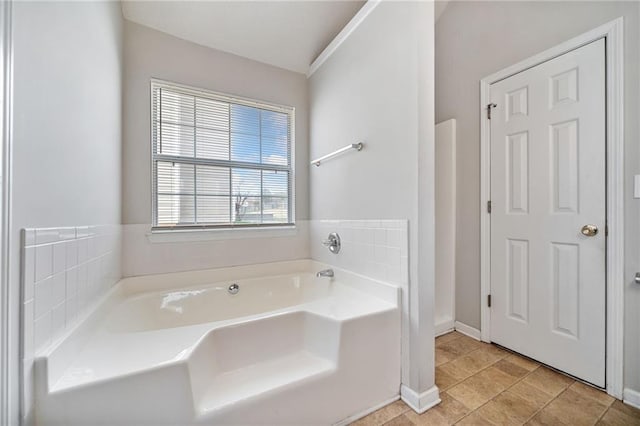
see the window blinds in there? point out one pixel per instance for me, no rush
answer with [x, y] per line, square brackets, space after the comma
[219, 161]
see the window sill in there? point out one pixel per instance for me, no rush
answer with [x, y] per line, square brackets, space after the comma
[192, 235]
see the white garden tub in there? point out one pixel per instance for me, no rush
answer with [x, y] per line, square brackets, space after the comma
[288, 348]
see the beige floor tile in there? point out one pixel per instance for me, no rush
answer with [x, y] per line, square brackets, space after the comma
[511, 369]
[548, 381]
[531, 394]
[440, 340]
[571, 408]
[481, 387]
[383, 415]
[523, 362]
[447, 412]
[592, 393]
[444, 380]
[460, 346]
[616, 417]
[430, 417]
[401, 420]
[625, 409]
[495, 350]
[508, 409]
[474, 419]
[442, 357]
[471, 363]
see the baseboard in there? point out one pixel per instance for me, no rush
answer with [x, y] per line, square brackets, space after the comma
[631, 397]
[467, 330]
[444, 327]
[366, 412]
[420, 402]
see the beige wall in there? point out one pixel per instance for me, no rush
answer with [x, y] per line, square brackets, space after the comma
[152, 54]
[475, 39]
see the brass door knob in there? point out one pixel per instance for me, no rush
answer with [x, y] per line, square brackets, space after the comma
[589, 230]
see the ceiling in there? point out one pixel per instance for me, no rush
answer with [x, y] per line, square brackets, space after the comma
[287, 34]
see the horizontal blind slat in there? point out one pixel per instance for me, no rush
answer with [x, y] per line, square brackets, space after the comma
[219, 163]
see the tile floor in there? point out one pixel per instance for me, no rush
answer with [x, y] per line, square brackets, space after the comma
[482, 384]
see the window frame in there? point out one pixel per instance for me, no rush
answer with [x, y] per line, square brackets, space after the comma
[230, 99]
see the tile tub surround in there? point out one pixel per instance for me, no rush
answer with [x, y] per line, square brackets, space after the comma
[65, 272]
[482, 384]
[374, 248]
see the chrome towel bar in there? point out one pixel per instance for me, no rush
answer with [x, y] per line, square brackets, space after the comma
[356, 146]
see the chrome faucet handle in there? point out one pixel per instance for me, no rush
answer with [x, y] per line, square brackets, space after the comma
[333, 243]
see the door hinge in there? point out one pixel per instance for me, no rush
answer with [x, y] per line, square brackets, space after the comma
[489, 300]
[489, 108]
[489, 206]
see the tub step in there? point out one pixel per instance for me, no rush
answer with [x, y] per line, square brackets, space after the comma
[248, 382]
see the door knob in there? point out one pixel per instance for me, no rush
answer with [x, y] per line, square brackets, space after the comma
[589, 230]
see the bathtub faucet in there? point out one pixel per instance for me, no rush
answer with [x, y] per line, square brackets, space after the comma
[325, 273]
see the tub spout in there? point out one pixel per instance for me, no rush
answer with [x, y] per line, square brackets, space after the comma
[325, 273]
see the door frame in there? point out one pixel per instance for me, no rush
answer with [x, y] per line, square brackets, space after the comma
[613, 34]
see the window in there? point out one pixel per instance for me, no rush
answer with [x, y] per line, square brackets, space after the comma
[219, 161]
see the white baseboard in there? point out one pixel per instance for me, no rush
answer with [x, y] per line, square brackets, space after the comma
[444, 327]
[467, 330]
[631, 397]
[420, 402]
[368, 411]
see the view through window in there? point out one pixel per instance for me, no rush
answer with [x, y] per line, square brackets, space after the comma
[219, 161]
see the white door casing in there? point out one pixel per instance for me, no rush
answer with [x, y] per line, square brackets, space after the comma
[547, 182]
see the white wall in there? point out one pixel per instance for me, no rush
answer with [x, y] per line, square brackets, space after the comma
[151, 54]
[499, 34]
[67, 121]
[377, 88]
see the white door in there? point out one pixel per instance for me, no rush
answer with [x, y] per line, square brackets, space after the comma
[547, 189]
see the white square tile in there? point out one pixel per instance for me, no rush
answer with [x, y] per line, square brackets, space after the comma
[58, 288]
[58, 318]
[393, 256]
[59, 257]
[83, 250]
[71, 282]
[72, 254]
[29, 237]
[82, 231]
[66, 234]
[28, 272]
[394, 237]
[42, 331]
[380, 254]
[91, 247]
[44, 262]
[380, 237]
[27, 329]
[71, 314]
[43, 294]
[46, 235]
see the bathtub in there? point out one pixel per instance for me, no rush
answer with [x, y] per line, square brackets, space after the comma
[179, 349]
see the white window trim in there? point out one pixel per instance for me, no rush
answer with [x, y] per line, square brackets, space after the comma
[214, 232]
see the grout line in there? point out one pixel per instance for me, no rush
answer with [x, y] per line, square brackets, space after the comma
[498, 394]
